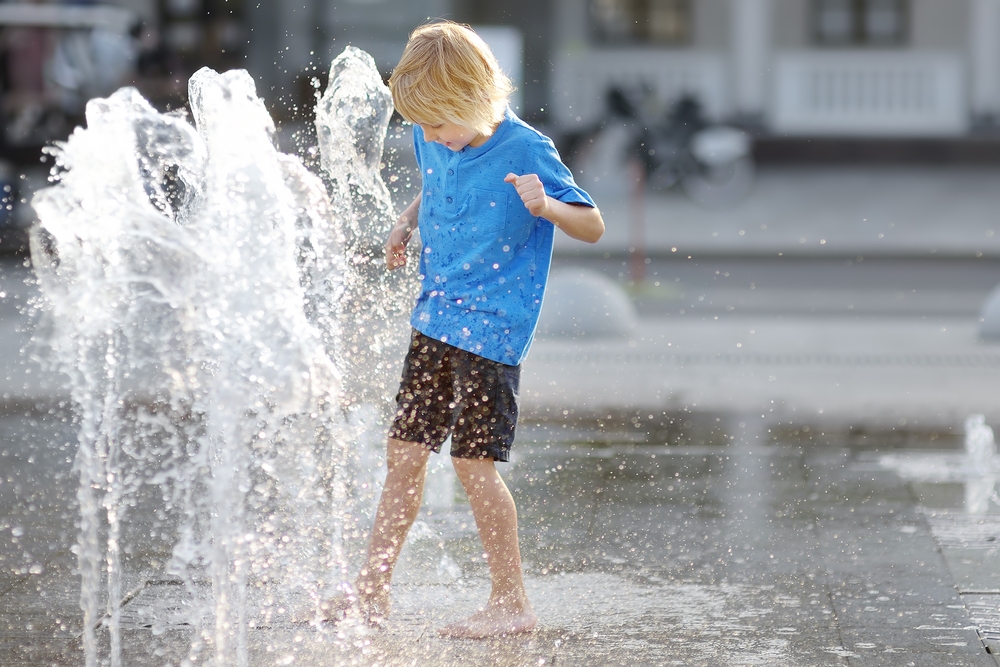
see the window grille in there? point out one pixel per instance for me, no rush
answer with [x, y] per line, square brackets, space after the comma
[860, 22]
[641, 21]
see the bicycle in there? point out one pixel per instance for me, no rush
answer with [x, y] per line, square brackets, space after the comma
[713, 164]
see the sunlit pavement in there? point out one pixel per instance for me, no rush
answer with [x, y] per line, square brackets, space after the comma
[813, 211]
[887, 374]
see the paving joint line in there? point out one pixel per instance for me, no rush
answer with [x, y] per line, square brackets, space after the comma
[749, 359]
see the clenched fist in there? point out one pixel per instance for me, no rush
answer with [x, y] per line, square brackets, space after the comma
[531, 191]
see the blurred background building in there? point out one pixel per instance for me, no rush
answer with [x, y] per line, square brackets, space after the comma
[849, 68]
[789, 67]
[812, 79]
[794, 67]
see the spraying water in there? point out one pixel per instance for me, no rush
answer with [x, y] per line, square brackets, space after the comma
[980, 454]
[976, 468]
[208, 296]
[980, 447]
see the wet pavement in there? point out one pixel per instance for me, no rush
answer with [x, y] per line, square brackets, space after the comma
[719, 544]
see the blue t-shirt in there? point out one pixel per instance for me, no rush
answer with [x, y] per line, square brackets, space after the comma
[485, 258]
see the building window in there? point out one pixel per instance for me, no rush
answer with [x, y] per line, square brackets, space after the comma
[641, 21]
[856, 22]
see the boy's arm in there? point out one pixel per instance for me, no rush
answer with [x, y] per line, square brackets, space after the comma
[579, 221]
[400, 235]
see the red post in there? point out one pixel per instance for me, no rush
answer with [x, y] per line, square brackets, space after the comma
[637, 221]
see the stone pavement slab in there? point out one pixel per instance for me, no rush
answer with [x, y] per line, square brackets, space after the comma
[733, 546]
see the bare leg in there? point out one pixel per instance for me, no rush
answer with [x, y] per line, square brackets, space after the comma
[508, 610]
[397, 509]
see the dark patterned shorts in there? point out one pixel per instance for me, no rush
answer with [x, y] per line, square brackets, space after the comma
[446, 390]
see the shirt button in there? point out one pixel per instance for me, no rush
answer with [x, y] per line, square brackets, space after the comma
[451, 172]
[448, 200]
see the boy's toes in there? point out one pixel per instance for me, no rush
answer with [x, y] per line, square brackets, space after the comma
[374, 612]
[337, 608]
[332, 610]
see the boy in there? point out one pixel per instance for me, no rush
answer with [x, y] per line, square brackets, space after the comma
[493, 189]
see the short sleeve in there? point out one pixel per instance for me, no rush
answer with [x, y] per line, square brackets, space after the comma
[556, 176]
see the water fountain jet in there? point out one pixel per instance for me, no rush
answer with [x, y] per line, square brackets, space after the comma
[976, 467]
[208, 297]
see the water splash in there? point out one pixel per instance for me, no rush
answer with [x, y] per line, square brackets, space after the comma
[980, 448]
[976, 468]
[352, 117]
[980, 454]
[206, 294]
[351, 121]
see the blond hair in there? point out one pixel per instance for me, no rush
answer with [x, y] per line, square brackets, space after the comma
[448, 74]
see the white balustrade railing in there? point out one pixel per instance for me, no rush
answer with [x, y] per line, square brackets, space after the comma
[886, 93]
[581, 80]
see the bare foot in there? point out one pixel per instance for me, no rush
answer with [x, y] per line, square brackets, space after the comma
[332, 610]
[495, 620]
[338, 607]
[372, 606]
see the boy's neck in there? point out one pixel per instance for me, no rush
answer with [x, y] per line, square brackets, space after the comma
[483, 138]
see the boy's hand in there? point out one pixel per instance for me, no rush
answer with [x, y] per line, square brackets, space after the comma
[395, 245]
[532, 192]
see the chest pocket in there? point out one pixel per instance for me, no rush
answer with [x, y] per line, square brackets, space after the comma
[487, 210]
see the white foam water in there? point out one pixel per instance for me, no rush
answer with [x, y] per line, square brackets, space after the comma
[976, 468]
[980, 447]
[208, 296]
